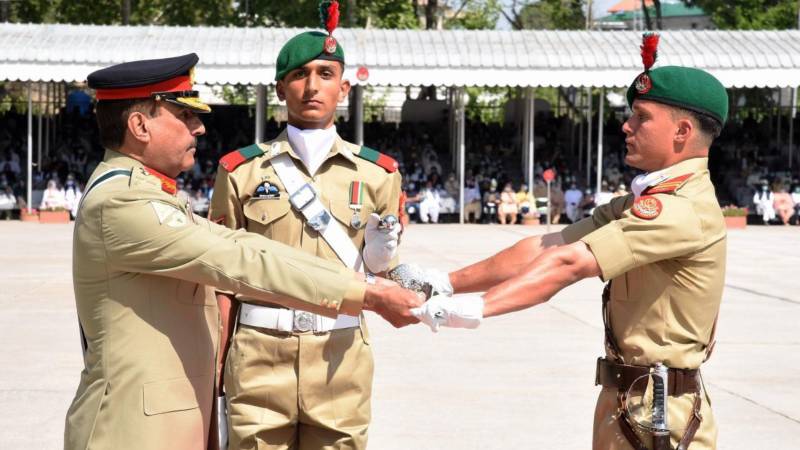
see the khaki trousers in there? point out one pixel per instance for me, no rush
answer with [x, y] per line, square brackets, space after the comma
[608, 435]
[298, 390]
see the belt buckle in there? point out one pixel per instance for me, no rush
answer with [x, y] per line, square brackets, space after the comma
[303, 196]
[303, 321]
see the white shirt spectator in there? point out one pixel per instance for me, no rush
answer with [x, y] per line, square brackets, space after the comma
[764, 201]
[573, 198]
[53, 197]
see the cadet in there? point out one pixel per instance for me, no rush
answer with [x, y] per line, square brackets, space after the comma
[143, 266]
[294, 379]
[663, 249]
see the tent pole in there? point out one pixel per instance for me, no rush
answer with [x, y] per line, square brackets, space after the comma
[792, 112]
[589, 137]
[600, 137]
[261, 109]
[39, 128]
[358, 111]
[530, 106]
[461, 154]
[30, 148]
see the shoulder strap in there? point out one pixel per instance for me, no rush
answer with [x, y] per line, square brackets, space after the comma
[386, 162]
[102, 179]
[305, 199]
[235, 158]
[669, 186]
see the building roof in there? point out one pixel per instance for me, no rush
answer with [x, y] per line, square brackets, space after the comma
[667, 10]
[407, 57]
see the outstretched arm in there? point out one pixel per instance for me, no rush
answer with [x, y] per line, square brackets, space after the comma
[553, 270]
[504, 265]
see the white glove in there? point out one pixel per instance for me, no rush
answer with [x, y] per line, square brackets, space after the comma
[439, 281]
[463, 311]
[380, 246]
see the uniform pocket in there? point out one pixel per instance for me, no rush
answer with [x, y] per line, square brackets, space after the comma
[262, 215]
[162, 397]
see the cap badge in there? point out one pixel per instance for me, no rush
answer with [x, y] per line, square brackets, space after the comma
[330, 45]
[643, 84]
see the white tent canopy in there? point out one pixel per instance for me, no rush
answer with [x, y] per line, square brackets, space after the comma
[55, 52]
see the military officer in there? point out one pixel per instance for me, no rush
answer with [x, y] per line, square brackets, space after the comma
[296, 380]
[662, 250]
[145, 269]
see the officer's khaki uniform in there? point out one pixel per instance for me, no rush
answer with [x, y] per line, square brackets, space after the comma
[300, 390]
[667, 275]
[142, 267]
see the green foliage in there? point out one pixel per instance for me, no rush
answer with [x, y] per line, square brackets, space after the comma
[476, 15]
[487, 104]
[268, 13]
[553, 15]
[750, 14]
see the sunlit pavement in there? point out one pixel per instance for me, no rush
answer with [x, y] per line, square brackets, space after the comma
[521, 381]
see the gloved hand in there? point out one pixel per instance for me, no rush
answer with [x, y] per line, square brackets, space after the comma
[427, 281]
[380, 245]
[462, 311]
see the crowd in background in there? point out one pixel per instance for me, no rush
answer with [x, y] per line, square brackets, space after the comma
[746, 166]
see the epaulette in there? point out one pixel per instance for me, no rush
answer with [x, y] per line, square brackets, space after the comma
[235, 158]
[386, 162]
[669, 186]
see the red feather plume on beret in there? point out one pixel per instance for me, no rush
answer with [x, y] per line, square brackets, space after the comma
[649, 50]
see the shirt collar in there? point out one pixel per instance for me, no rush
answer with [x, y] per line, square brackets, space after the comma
[282, 144]
[118, 159]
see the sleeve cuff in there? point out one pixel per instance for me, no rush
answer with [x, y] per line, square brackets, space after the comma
[353, 298]
[610, 249]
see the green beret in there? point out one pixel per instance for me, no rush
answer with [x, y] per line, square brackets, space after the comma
[303, 48]
[684, 87]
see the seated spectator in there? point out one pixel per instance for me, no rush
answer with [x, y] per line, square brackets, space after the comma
[764, 201]
[53, 197]
[507, 210]
[526, 203]
[8, 202]
[472, 202]
[586, 207]
[604, 195]
[796, 201]
[199, 203]
[429, 204]
[72, 195]
[491, 198]
[621, 191]
[573, 198]
[783, 204]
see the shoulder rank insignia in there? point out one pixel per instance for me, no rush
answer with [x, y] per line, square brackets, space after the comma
[646, 207]
[233, 159]
[374, 156]
[168, 184]
[669, 186]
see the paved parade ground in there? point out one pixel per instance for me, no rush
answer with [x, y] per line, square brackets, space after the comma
[523, 381]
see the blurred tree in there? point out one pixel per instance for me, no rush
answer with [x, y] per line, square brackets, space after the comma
[546, 15]
[750, 14]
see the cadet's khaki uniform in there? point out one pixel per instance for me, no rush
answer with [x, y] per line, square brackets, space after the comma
[287, 387]
[667, 275]
[142, 264]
